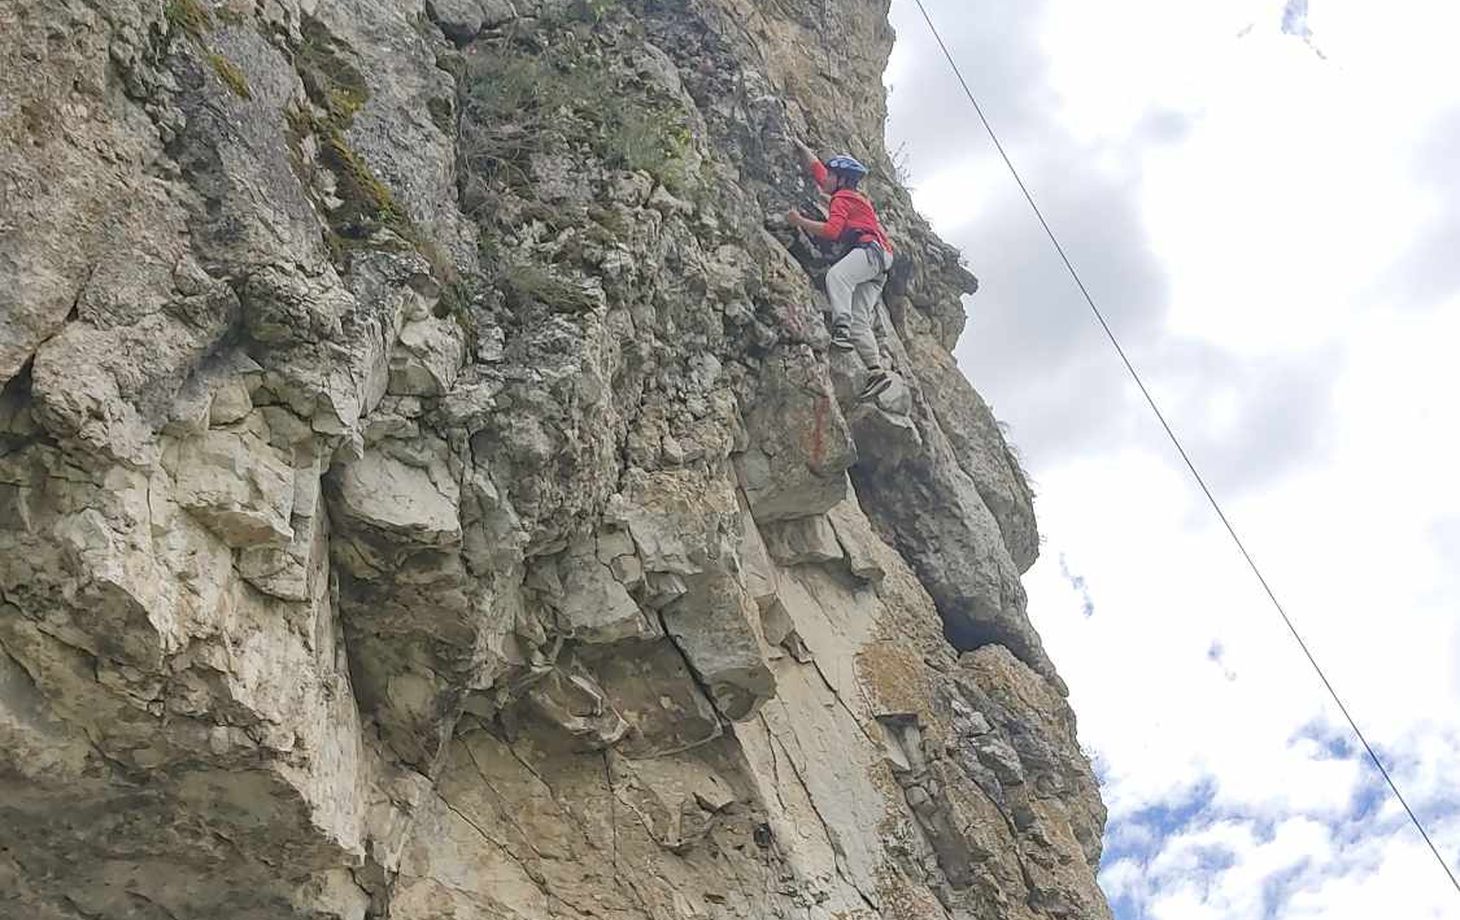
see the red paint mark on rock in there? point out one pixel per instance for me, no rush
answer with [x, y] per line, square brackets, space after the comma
[818, 432]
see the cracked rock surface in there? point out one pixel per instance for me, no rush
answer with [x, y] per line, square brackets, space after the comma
[426, 492]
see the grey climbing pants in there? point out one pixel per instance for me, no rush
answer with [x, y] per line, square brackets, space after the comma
[854, 285]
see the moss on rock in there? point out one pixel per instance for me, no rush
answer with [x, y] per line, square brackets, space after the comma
[230, 73]
[189, 17]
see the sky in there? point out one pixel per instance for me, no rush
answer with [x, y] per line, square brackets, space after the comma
[1264, 198]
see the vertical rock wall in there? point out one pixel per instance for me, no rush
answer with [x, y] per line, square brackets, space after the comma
[425, 490]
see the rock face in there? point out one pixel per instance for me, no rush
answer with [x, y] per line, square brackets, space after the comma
[425, 490]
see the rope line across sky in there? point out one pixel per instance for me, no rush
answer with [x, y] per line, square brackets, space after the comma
[1181, 450]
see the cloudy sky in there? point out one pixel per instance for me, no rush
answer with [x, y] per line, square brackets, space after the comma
[1264, 197]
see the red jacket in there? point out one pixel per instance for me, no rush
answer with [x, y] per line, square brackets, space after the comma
[852, 215]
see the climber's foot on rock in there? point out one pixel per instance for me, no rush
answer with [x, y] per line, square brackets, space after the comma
[877, 381]
[841, 338]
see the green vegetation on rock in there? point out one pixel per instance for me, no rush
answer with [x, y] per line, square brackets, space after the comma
[528, 282]
[188, 17]
[230, 73]
[191, 18]
[520, 103]
[337, 91]
[332, 82]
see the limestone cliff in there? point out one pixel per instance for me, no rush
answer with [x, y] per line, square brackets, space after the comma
[426, 492]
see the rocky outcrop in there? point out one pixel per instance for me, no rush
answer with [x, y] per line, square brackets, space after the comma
[425, 490]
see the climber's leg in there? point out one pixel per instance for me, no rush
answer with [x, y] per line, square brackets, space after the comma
[863, 316]
[864, 319]
[842, 281]
[864, 312]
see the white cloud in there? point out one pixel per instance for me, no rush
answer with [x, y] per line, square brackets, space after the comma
[1240, 205]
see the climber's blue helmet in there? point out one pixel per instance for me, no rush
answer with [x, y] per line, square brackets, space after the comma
[847, 166]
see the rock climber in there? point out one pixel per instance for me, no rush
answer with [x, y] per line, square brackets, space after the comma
[854, 284]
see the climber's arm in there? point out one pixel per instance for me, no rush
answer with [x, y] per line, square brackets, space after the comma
[829, 229]
[814, 227]
[811, 161]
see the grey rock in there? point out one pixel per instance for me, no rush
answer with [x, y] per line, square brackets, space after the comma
[663, 588]
[715, 625]
[236, 486]
[951, 538]
[653, 689]
[231, 403]
[803, 541]
[591, 604]
[889, 437]
[461, 20]
[424, 467]
[497, 12]
[760, 573]
[862, 547]
[799, 442]
[575, 703]
[392, 496]
[896, 398]
[426, 358]
[980, 448]
[998, 756]
[712, 796]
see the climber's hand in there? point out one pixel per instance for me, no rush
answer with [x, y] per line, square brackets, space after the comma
[794, 218]
[808, 156]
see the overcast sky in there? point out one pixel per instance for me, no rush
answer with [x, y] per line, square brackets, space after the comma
[1264, 197]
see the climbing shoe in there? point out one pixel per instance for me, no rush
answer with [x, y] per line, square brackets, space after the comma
[841, 337]
[877, 381]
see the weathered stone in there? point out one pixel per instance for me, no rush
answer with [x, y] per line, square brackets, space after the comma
[291, 572]
[235, 485]
[426, 358]
[799, 443]
[896, 399]
[393, 496]
[231, 402]
[576, 704]
[980, 447]
[998, 756]
[686, 532]
[663, 588]
[283, 572]
[652, 688]
[713, 796]
[461, 20]
[675, 519]
[413, 459]
[419, 630]
[616, 550]
[591, 604]
[613, 545]
[858, 542]
[1050, 788]
[756, 565]
[716, 626]
[807, 540]
[950, 538]
[47, 750]
[497, 12]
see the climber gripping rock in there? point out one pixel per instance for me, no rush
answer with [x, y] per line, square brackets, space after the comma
[854, 284]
